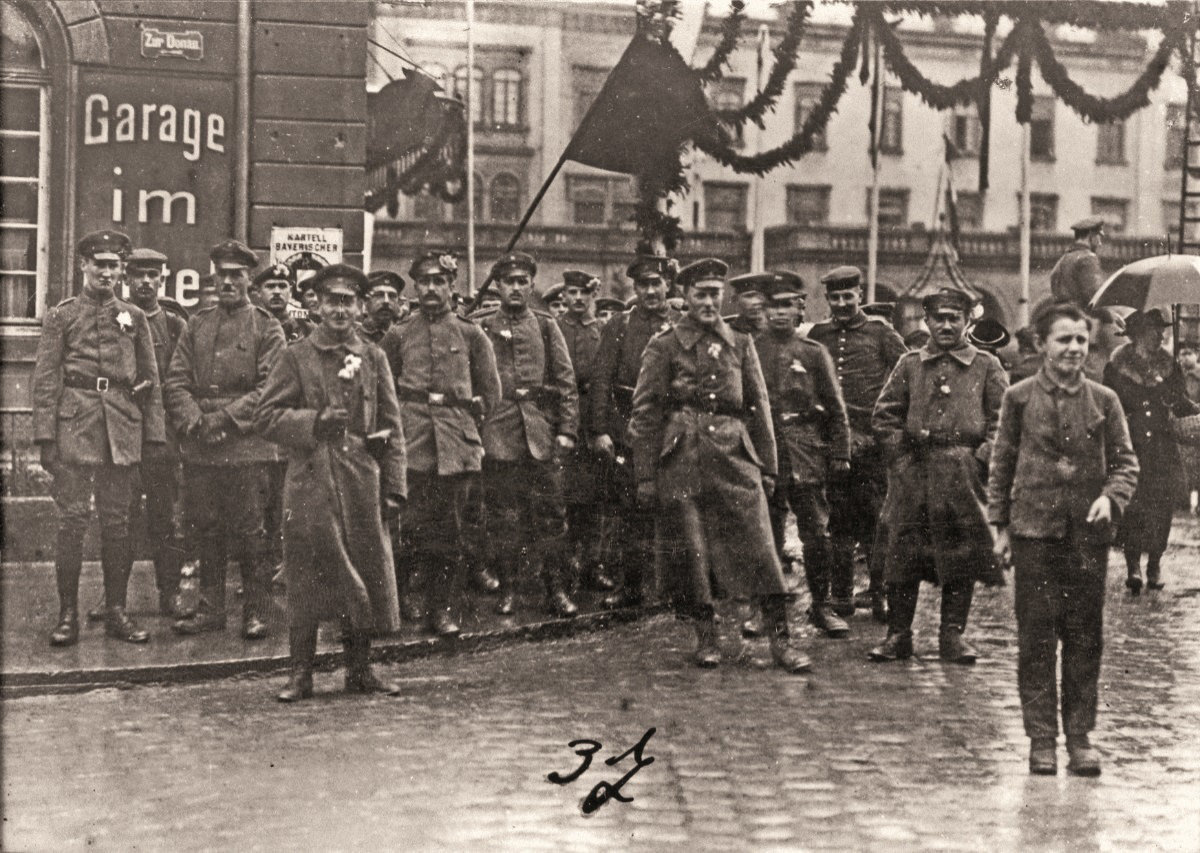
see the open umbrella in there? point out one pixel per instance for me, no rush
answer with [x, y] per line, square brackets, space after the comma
[1157, 282]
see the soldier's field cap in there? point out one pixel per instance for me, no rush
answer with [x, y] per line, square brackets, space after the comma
[1088, 224]
[989, 333]
[338, 277]
[882, 310]
[145, 259]
[608, 303]
[275, 272]
[708, 269]
[948, 297]
[648, 265]
[842, 278]
[385, 278]
[433, 260]
[554, 294]
[107, 245]
[579, 278]
[514, 260]
[231, 253]
[751, 282]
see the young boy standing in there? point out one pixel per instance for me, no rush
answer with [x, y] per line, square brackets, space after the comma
[1061, 466]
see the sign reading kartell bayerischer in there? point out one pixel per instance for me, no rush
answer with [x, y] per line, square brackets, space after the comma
[305, 250]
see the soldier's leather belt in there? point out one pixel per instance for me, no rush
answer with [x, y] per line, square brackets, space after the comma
[433, 398]
[538, 395]
[213, 392]
[708, 406]
[94, 383]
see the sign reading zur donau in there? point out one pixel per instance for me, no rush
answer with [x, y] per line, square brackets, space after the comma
[188, 44]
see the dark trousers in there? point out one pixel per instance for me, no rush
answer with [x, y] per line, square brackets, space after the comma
[632, 529]
[74, 486]
[275, 473]
[956, 605]
[223, 506]
[1059, 591]
[158, 482]
[433, 525]
[855, 501]
[808, 502]
[526, 516]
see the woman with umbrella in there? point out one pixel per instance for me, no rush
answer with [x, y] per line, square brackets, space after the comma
[1151, 388]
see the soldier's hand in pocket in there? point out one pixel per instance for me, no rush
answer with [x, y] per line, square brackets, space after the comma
[330, 424]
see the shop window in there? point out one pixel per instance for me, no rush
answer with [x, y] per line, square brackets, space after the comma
[808, 205]
[505, 197]
[891, 136]
[506, 97]
[724, 206]
[24, 169]
[1041, 129]
[1110, 143]
[1043, 211]
[807, 96]
[1114, 211]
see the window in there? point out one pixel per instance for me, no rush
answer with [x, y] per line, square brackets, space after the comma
[1041, 129]
[1043, 211]
[24, 201]
[964, 132]
[601, 201]
[807, 95]
[506, 97]
[893, 208]
[891, 136]
[807, 205]
[587, 83]
[1110, 143]
[729, 93]
[460, 90]
[724, 206]
[506, 198]
[970, 211]
[1176, 130]
[1113, 210]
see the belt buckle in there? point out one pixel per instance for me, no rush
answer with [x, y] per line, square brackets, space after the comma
[436, 399]
[522, 393]
[101, 383]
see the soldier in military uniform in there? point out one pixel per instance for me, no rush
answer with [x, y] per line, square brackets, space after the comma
[583, 469]
[96, 404]
[618, 360]
[383, 305]
[274, 285]
[217, 373]
[606, 307]
[528, 435]
[447, 382]
[812, 436]
[554, 301]
[704, 453]
[750, 301]
[864, 354]
[1077, 275]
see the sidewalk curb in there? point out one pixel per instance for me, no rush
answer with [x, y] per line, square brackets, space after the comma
[23, 684]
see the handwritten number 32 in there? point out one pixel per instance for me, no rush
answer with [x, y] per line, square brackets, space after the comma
[603, 791]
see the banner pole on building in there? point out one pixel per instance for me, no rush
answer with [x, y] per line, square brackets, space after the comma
[471, 96]
[1026, 229]
[876, 136]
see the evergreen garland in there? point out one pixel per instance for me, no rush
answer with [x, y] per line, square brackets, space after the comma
[784, 62]
[1106, 15]
[731, 28]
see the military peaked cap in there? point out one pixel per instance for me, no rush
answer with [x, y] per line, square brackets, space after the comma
[708, 269]
[444, 261]
[581, 279]
[233, 252]
[275, 272]
[326, 277]
[989, 334]
[842, 278]
[554, 294]
[751, 282]
[608, 303]
[385, 278]
[884, 310]
[107, 242]
[949, 297]
[644, 265]
[145, 259]
[1088, 224]
[514, 260]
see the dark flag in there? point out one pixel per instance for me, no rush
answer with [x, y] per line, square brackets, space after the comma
[650, 105]
[951, 193]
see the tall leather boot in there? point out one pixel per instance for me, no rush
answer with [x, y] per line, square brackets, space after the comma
[359, 677]
[1154, 572]
[210, 614]
[956, 607]
[841, 576]
[302, 647]
[256, 599]
[410, 583]
[68, 563]
[555, 572]
[635, 557]
[786, 656]
[1133, 570]
[116, 560]
[902, 607]
[820, 613]
[442, 585]
[168, 561]
[708, 650]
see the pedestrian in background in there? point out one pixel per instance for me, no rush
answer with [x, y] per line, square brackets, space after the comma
[1077, 275]
[1151, 388]
[1062, 469]
[331, 403]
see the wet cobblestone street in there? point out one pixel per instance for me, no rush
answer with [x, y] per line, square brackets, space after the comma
[856, 756]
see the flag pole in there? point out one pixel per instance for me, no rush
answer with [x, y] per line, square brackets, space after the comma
[757, 238]
[876, 136]
[1026, 229]
[471, 96]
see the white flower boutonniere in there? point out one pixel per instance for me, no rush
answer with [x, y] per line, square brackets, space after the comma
[506, 334]
[350, 367]
[798, 366]
[714, 350]
[448, 262]
[125, 321]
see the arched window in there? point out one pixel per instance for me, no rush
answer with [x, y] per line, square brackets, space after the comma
[506, 198]
[24, 168]
[460, 90]
[506, 97]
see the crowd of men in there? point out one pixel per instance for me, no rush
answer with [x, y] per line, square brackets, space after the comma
[377, 455]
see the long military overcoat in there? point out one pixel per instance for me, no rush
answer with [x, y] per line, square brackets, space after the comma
[937, 418]
[701, 429]
[582, 468]
[336, 550]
